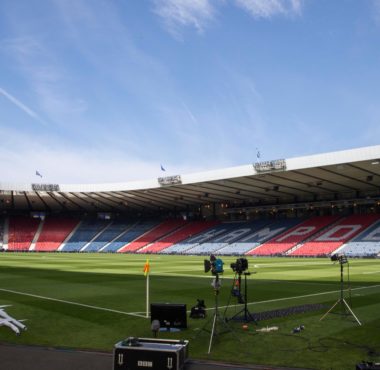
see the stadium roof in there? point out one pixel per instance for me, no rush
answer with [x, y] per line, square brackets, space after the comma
[336, 176]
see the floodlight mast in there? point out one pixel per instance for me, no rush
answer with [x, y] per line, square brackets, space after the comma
[342, 259]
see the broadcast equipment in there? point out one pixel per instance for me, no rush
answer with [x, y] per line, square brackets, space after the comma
[214, 264]
[199, 310]
[155, 326]
[239, 267]
[342, 259]
[339, 257]
[171, 316]
[159, 354]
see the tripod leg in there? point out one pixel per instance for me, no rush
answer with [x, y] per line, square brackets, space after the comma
[212, 333]
[352, 313]
[329, 310]
[229, 299]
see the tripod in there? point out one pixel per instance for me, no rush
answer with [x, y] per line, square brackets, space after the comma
[247, 316]
[343, 304]
[216, 319]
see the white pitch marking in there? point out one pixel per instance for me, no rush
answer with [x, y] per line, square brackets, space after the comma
[73, 303]
[370, 272]
[300, 296]
[207, 309]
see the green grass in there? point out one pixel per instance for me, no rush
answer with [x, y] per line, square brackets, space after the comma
[116, 282]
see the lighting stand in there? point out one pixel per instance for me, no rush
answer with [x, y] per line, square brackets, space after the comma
[247, 316]
[343, 304]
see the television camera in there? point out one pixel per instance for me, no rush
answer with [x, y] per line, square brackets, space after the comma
[341, 258]
[240, 265]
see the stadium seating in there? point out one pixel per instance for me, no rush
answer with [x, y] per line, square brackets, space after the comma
[185, 232]
[335, 236]
[263, 238]
[366, 244]
[180, 248]
[85, 232]
[224, 234]
[243, 243]
[54, 232]
[112, 232]
[134, 232]
[158, 232]
[355, 235]
[22, 230]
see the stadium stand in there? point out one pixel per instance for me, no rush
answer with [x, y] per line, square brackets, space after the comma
[366, 244]
[243, 243]
[128, 236]
[112, 232]
[22, 230]
[86, 231]
[291, 238]
[259, 240]
[335, 236]
[355, 235]
[54, 232]
[158, 232]
[178, 235]
[225, 233]
[180, 248]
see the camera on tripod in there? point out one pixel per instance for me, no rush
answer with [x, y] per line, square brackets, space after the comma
[341, 258]
[240, 265]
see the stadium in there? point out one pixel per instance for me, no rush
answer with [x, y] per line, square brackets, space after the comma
[73, 257]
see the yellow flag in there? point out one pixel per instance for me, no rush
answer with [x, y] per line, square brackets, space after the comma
[146, 268]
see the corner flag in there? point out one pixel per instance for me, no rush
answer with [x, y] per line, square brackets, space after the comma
[146, 274]
[146, 268]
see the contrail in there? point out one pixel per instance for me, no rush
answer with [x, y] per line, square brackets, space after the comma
[20, 105]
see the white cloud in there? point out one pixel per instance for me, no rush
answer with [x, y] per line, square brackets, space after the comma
[270, 8]
[190, 13]
[47, 77]
[64, 163]
[21, 105]
[199, 13]
[22, 154]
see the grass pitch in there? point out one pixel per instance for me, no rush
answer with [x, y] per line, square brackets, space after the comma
[94, 300]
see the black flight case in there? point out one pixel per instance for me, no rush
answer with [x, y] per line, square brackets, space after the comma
[150, 353]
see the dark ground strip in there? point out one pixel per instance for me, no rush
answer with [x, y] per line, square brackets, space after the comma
[19, 357]
[266, 315]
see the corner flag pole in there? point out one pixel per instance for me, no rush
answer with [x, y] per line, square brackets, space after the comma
[146, 274]
[147, 296]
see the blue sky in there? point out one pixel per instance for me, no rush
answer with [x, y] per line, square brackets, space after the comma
[108, 90]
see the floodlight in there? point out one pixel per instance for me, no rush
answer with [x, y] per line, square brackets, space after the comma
[207, 265]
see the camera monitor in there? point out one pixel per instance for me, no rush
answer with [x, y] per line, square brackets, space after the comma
[170, 315]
